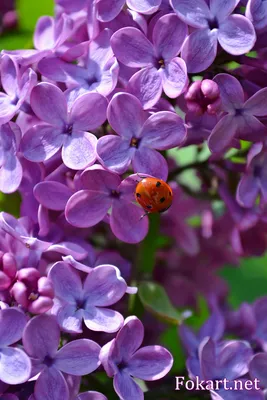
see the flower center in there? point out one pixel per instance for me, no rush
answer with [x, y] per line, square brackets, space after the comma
[115, 194]
[68, 129]
[135, 142]
[238, 111]
[161, 63]
[33, 296]
[257, 171]
[48, 361]
[213, 24]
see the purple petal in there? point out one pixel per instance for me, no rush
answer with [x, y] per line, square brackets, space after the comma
[150, 162]
[256, 12]
[222, 8]
[15, 366]
[163, 130]
[115, 153]
[97, 179]
[257, 104]
[132, 48]
[41, 142]
[66, 281]
[49, 104]
[104, 286]
[80, 357]
[12, 323]
[126, 388]
[194, 12]
[188, 338]
[69, 248]
[258, 367]
[236, 35]
[86, 208]
[10, 174]
[150, 363]
[144, 6]
[208, 361]
[130, 337]
[91, 396]
[9, 75]
[69, 317]
[51, 385]
[102, 319]
[88, 112]
[7, 109]
[231, 92]
[52, 195]
[200, 49]
[234, 358]
[169, 34]
[146, 85]
[79, 150]
[247, 191]
[126, 222]
[41, 337]
[222, 134]
[126, 115]
[174, 77]
[44, 33]
[107, 10]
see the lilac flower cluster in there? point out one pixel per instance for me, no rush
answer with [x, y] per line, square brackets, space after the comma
[112, 91]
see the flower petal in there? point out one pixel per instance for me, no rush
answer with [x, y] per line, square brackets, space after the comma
[12, 323]
[163, 130]
[51, 385]
[132, 48]
[256, 12]
[44, 33]
[222, 8]
[102, 319]
[66, 281]
[146, 85]
[257, 104]
[258, 367]
[200, 49]
[88, 112]
[98, 179]
[15, 366]
[86, 208]
[41, 142]
[193, 12]
[9, 75]
[115, 153]
[231, 92]
[126, 222]
[236, 35]
[130, 337]
[150, 162]
[91, 396]
[174, 77]
[52, 195]
[68, 317]
[104, 286]
[10, 174]
[7, 109]
[126, 115]
[234, 358]
[150, 363]
[41, 337]
[78, 150]
[126, 388]
[107, 10]
[144, 6]
[222, 134]
[169, 34]
[79, 357]
[247, 191]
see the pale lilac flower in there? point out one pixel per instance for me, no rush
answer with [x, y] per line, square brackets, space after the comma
[41, 339]
[138, 137]
[15, 365]
[163, 70]
[123, 359]
[256, 12]
[63, 127]
[87, 301]
[214, 23]
[241, 118]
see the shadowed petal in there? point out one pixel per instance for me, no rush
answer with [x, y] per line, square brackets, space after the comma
[78, 150]
[66, 281]
[114, 153]
[257, 104]
[12, 323]
[15, 366]
[49, 104]
[126, 388]
[7, 109]
[41, 336]
[150, 162]
[88, 112]
[104, 286]
[132, 48]
[86, 208]
[91, 396]
[107, 10]
[222, 8]
[231, 91]
[236, 35]
[102, 319]
[247, 191]
[222, 134]
[51, 385]
[52, 195]
[258, 367]
[194, 12]
[174, 78]
[234, 358]
[256, 12]
[80, 357]
[200, 49]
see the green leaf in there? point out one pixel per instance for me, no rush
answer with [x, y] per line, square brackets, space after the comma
[30, 10]
[200, 315]
[171, 340]
[155, 299]
[10, 203]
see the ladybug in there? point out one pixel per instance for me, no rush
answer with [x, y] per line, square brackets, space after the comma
[154, 195]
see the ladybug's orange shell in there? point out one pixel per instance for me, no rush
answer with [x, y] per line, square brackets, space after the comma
[154, 195]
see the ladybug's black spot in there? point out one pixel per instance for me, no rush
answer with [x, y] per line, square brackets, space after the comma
[138, 195]
[158, 184]
[149, 207]
[162, 199]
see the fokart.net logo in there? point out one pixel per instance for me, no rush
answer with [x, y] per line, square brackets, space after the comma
[182, 383]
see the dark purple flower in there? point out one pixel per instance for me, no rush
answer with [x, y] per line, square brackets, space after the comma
[163, 70]
[65, 125]
[88, 300]
[41, 339]
[138, 137]
[15, 365]
[123, 359]
[240, 120]
[215, 24]
[103, 190]
[258, 368]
